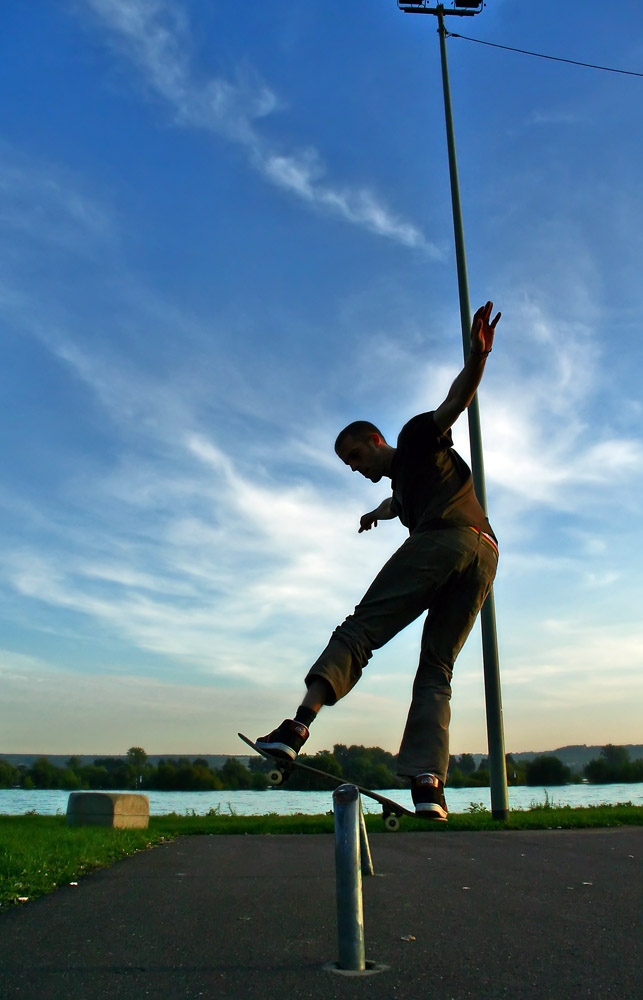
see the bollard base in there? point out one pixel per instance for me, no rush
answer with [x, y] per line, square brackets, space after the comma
[371, 969]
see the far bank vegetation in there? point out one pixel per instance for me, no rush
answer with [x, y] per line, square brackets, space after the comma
[370, 767]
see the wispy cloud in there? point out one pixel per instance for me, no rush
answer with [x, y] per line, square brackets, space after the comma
[210, 592]
[207, 557]
[301, 175]
[581, 657]
[543, 445]
[543, 449]
[155, 36]
[199, 551]
[106, 713]
[557, 116]
[185, 552]
[42, 204]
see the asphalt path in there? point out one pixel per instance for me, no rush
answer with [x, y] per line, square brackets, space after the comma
[453, 916]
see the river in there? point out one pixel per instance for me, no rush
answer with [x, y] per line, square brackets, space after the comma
[18, 801]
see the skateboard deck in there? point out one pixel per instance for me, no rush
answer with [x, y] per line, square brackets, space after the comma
[391, 811]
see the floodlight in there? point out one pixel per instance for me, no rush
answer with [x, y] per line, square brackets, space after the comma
[463, 8]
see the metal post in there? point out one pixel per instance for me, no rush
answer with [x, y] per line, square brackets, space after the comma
[365, 850]
[350, 915]
[495, 732]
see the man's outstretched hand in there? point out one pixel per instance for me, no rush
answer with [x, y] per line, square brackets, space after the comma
[483, 329]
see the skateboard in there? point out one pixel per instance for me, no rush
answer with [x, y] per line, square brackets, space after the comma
[391, 811]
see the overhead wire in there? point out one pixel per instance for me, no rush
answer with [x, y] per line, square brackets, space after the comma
[540, 55]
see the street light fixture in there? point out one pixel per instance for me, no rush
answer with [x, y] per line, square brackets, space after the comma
[465, 8]
[495, 730]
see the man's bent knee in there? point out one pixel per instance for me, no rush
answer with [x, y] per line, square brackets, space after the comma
[339, 667]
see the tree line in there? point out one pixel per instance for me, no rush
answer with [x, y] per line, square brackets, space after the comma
[134, 772]
[611, 766]
[370, 767]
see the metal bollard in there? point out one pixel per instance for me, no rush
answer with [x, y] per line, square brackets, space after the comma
[350, 914]
[352, 857]
[365, 850]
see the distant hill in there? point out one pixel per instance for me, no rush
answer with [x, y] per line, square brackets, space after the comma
[575, 756]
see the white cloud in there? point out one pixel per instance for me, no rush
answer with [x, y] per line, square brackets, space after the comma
[197, 550]
[555, 116]
[228, 561]
[578, 661]
[106, 714]
[42, 203]
[543, 444]
[155, 36]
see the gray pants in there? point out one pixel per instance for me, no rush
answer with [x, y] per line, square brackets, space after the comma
[448, 572]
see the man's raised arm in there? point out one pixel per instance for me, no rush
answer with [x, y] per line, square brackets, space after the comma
[464, 387]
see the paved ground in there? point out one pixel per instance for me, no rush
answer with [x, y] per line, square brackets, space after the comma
[505, 915]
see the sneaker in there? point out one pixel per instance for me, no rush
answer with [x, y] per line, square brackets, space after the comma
[286, 741]
[428, 796]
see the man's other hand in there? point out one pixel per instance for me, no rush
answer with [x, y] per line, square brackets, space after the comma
[367, 521]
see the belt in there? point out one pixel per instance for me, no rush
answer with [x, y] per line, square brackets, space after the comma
[486, 537]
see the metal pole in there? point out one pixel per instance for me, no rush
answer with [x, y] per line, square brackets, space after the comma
[350, 914]
[365, 850]
[495, 732]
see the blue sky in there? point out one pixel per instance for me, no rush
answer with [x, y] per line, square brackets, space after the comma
[226, 232]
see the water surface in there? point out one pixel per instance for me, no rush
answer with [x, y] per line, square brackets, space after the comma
[18, 801]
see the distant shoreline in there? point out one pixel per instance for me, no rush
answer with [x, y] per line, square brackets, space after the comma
[574, 755]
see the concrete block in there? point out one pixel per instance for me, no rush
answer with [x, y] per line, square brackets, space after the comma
[121, 810]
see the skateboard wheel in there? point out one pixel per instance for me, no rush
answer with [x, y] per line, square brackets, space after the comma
[275, 777]
[391, 822]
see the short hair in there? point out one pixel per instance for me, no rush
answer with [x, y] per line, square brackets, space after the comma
[360, 429]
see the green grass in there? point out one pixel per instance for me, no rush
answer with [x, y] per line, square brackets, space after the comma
[40, 853]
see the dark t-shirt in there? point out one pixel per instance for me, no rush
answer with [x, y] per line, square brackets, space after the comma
[432, 484]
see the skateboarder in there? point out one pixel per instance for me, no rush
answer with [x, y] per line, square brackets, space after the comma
[446, 567]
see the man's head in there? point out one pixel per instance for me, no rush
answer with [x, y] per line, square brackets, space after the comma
[362, 446]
